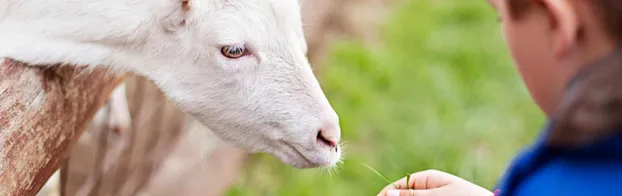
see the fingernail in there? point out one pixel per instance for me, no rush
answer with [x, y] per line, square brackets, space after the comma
[393, 193]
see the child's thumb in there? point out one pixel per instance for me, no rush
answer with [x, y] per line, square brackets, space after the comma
[411, 192]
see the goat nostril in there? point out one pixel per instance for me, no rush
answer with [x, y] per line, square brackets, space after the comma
[325, 140]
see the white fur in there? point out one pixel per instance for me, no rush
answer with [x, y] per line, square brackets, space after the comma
[269, 101]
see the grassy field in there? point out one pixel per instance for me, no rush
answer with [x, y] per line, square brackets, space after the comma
[440, 93]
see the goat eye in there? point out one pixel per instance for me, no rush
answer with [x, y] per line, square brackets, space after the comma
[234, 52]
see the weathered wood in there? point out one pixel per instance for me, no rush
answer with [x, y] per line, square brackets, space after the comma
[42, 113]
[134, 155]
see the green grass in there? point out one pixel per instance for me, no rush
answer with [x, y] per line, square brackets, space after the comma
[441, 93]
[385, 178]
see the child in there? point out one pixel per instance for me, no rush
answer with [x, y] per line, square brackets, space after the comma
[567, 54]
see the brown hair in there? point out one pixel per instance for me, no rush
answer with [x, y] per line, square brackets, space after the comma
[592, 106]
[610, 12]
[591, 109]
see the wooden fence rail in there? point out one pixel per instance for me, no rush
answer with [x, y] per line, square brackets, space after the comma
[42, 114]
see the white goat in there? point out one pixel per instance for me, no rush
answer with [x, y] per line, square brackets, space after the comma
[239, 66]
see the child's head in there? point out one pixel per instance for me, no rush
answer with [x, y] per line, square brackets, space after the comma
[550, 40]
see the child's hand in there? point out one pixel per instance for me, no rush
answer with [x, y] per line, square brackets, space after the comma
[434, 183]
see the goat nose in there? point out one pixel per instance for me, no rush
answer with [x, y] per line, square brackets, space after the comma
[329, 134]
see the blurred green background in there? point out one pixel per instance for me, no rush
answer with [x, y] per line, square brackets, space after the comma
[439, 93]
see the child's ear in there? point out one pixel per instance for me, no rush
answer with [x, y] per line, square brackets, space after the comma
[564, 25]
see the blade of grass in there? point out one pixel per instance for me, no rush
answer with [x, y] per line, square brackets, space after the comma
[381, 176]
[408, 181]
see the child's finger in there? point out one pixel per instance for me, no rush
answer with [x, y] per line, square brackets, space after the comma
[428, 179]
[400, 184]
[395, 192]
[410, 192]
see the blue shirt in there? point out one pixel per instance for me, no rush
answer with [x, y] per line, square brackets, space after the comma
[541, 170]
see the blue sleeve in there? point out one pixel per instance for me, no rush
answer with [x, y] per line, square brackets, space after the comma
[541, 170]
[575, 177]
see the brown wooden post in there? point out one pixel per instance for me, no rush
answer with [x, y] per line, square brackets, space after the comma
[42, 114]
